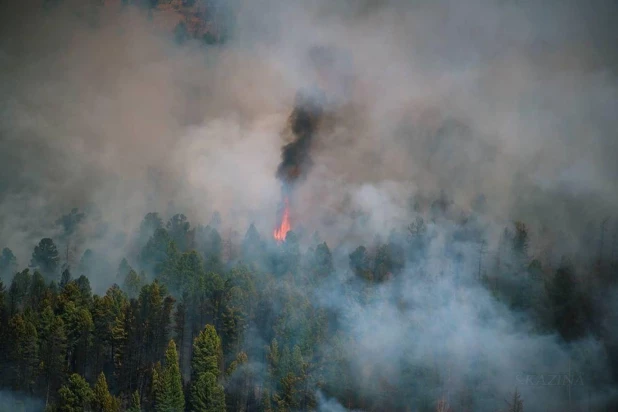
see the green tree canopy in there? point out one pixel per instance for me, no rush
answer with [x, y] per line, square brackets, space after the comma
[46, 258]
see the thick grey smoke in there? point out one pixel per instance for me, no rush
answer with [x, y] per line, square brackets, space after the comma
[510, 102]
[477, 97]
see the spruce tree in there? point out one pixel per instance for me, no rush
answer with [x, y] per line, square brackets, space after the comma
[168, 385]
[46, 257]
[206, 353]
[206, 395]
[134, 404]
[75, 396]
[103, 401]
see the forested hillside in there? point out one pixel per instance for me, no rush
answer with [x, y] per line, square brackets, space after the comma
[290, 205]
[195, 321]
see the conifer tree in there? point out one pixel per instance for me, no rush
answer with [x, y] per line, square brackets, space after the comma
[65, 278]
[206, 353]
[46, 258]
[24, 351]
[168, 383]
[75, 396]
[102, 400]
[206, 395]
[134, 404]
[52, 349]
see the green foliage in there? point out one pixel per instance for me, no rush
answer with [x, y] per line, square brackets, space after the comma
[37, 291]
[51, 336]
[178, 229]
[207, 353]
[65, 278]
[134, 404]
[102, 400]
[18, 291]
[151, 223]
[133, 283]
[52, 346]
[159, 254]
[23, 351]
[167, 383]
[46, 258]
[75, 396]
[206, 394]
[189, 269]
[210, 244]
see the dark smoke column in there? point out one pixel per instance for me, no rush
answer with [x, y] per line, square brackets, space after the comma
[309, 108]
[296, 155]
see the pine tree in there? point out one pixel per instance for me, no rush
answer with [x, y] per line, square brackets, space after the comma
[38, 290]
[46, 258]
[168, 383]
[134, 404]
[52, 349]
[180, 321]
[266, 402]
[159, 254]
[75, 396]
[178, 228]
[18, 291]
[207, 353]
[102, 400]
[65, 278]
[148, 227]
[206, 394]
[133, 283]
[24, 352]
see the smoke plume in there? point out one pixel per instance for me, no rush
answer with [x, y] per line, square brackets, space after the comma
[295, 156]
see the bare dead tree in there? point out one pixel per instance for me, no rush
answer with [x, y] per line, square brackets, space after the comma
[516, 404]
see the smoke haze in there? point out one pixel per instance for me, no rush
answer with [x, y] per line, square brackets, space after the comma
[506, 108]
[478, 98]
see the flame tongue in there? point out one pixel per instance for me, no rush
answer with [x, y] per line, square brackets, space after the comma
[284, 227]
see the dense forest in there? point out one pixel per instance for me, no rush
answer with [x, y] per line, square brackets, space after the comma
[195, 322]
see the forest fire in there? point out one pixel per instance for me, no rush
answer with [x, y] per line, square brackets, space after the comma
[284, 227]
[303, 121]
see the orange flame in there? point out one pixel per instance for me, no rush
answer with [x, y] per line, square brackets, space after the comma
[282, 230]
